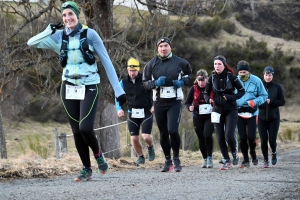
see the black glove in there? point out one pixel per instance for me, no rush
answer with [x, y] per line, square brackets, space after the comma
[121, 99]
[54, 27]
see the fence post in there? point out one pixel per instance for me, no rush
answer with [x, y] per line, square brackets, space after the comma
[63, 147]
[56, 143]
[183, 139]
[298, 137]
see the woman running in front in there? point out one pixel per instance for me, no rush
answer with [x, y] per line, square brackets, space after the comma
[224, 83]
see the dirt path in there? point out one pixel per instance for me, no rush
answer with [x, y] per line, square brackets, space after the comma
[278, 182]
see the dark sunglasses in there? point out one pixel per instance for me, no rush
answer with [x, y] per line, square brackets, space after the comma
[201, 79]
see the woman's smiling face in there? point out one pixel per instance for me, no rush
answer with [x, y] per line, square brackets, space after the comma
[69, 18]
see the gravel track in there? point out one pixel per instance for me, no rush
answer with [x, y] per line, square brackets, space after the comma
[281, 181]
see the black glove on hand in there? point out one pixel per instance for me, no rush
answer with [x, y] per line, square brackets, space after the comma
[121, 99]
[54, 27]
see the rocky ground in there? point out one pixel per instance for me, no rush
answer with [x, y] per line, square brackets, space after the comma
[281, 181]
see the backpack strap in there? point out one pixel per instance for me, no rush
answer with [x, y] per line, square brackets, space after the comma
[63, 56]
[85, 50]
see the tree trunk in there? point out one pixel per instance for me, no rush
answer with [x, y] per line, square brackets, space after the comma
[3, 151]
[100, 18]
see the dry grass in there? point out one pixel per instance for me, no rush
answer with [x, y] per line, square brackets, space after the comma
[28, 164]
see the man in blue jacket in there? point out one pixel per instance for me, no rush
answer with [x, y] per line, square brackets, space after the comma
[255, 95]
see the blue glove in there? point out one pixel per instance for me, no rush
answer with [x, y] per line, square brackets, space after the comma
[178, 83]
[160, 81]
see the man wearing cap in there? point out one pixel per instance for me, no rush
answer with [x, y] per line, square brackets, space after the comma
[255, 95]
[269, 116]
[165, 74]
[139, 110]
[80, 80]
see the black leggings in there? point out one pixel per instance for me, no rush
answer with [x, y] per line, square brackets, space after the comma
[268, 131]
[228, 120]
[81, 115]
[247, 136]
[168, 119]
[204, 130]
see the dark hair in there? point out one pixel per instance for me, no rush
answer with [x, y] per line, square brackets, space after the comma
[223, 60]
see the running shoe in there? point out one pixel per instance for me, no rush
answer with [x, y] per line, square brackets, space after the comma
[204, 165]
[140, 160]
[244, 164]
[151, 153]
[266, 164]
[236, 158]
[168, 166]
[274, 158]
[177, 165]
[254, 158]
[209, 162]
[102, 165]
[226, 165]
[85, 175]
[222, 161]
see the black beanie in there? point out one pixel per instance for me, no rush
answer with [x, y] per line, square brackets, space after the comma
[269, 70]
[163, 39]
[221, 58]
[243, 65]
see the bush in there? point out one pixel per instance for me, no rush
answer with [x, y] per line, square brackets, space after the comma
[237, 16]
[229, 27]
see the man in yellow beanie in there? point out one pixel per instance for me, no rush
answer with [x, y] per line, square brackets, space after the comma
[139, 110]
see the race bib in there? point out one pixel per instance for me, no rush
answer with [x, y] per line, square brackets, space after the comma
[215, 117]
[137, 113]
[167, 92]
[76, 92]
[245, 115]
[205, 109]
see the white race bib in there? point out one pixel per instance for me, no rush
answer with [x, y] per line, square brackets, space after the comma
[245, 115]
[76, 92]
[215, 117]
[167, 92]
[137, 113]
[205, 109]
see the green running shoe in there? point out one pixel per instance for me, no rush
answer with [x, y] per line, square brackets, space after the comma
[85, 175]
[102, 165]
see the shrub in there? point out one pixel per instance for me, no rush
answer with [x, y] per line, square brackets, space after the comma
[237, 16]
[229, 27]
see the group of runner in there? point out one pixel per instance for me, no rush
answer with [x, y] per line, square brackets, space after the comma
[213, 100]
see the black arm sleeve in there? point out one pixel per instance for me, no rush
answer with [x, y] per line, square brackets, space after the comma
[279, 101]
[208, 88]
[148, 83]
[187, 70]
[238, 86]
[189, 98]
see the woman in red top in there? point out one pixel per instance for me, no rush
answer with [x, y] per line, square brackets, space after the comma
[195, 103]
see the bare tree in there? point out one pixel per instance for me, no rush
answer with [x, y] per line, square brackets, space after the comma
[19, 59]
